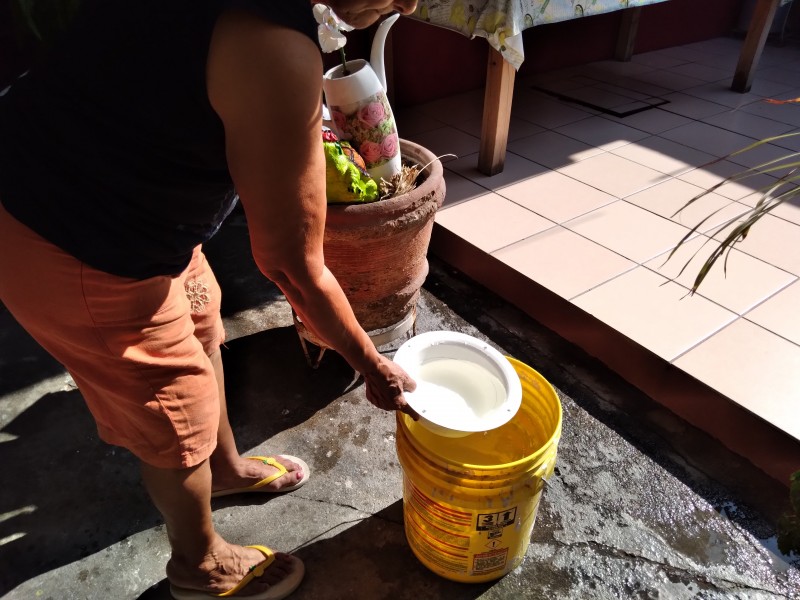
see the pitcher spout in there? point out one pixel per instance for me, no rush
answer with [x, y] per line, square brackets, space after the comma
[379, 41]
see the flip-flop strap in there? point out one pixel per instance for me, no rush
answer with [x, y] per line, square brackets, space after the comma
[268, 460]
[255, 571]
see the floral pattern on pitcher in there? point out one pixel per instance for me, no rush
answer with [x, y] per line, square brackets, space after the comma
[369, 127]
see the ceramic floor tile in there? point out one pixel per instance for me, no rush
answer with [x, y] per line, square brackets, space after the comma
[688, 52]
[669, 199]
[786, 56]
[666, 156]
[648, 88]
[564, 85]
[776, 188]
[634, 107]
[690, 106]
[657, 60]
[455, 109]
[704, 119]
[601, 133]
[778, 73]
[700, 71]
[708, 176]
[791, 140]
[491, 222]
[628, 230]
[598, 98]
[764, 153]
[460, 189]
[603, 68]
[748, 124]
[516, 169]
[411, 121]
[558, 258]
[726, 62]
[654, 312]
[613, 174]
[544, 110]
[722, 46]
[708, 138]
[789, 210]
[447, 140]
[771, 89]
[552, 149]
[779, 313]
[755, 367]
[652, 121]
[517, 128]
[745, 283]
[625, 92]
[773, 240]
[671, 81]
[785, 113]
[720, 92]
[556, 196]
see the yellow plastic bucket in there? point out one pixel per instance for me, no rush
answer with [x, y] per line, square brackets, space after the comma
[470, 503]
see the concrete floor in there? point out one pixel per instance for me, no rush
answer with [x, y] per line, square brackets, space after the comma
[641, 504]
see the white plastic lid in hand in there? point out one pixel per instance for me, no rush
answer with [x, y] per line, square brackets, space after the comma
[463, 384]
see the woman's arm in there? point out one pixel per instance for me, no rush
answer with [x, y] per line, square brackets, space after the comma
[265, 82]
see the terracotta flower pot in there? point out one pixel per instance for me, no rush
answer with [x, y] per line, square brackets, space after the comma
[378, 251]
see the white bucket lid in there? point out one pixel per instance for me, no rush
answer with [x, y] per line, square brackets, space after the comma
[443, 408]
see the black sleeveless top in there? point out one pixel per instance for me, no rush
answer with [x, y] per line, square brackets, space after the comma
[110, 149]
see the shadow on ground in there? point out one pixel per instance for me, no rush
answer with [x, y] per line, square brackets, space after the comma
[64, 489]
[368, 561]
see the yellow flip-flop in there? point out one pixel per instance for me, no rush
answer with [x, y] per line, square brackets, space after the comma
[260, 486]
[280, 590]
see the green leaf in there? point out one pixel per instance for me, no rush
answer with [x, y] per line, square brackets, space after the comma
[794, 491]
[789, 534]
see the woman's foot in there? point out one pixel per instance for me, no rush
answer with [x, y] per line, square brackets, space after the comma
[224, 567]
[246, 473]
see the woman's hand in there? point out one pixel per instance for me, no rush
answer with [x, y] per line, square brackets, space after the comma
[386, 384]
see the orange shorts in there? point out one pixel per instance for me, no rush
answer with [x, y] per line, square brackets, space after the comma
[137, 349]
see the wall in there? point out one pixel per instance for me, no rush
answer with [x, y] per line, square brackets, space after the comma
[431, 62]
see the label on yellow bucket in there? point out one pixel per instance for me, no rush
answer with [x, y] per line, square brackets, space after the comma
[486, 562]
[463, 545]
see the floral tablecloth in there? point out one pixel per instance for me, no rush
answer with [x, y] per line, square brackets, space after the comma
[501, 22]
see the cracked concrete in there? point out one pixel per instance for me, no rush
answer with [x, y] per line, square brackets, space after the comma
[641, 505]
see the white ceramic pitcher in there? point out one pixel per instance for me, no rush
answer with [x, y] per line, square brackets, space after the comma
[360, 111]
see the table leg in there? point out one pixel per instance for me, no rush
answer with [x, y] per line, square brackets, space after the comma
[757, 33]
[496, 114]
[627, 33]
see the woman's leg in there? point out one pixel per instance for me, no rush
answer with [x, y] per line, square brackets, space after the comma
[231, 470]
[201, 559]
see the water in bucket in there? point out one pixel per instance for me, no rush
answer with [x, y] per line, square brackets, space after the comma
[463, 384]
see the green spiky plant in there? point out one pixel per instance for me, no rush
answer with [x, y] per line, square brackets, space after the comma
[784, 189]
[789, 524]
[43, 20]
